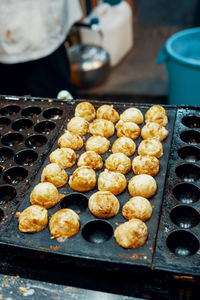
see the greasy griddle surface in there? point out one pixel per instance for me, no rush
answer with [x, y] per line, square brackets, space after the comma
[108, 251]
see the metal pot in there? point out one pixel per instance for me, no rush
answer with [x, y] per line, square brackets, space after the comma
[90, 64]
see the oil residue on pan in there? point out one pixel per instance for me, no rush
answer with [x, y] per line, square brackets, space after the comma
[95, 240]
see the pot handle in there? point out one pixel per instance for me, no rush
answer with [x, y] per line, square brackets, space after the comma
[162, 56]
[93, 25]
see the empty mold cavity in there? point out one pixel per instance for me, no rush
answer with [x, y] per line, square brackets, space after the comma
[35, 141]
[188, 172]
[53, 113]
[76, 201]
[44, 126]
[26, 157]
[15, 174]
[5, 154]
[190, 136]
[186, 193]
[189, 153]
[97, 232]
[191, 121]
[12, 139]
[9, 110]
[22, 124]
[4, 122]
[1, 215]
[31, 111]
[185, 216]
[182, 243]
[7, 193]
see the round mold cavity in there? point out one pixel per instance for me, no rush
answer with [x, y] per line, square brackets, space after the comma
[1, 215]
[76, 201]
[53, 113]
[26, 157]
[5, 154]
[9, 110]
[182, 243]
[191, 121]
[188, 172]
[44, 126]
[15, 174]
[31, 111]
[4, 122]
[12, 139]
[189, 153]
[7, 193]
[186, 193]
[35, 141]
[22, 124]
[185, 216]
[190, 137]
[97, 232]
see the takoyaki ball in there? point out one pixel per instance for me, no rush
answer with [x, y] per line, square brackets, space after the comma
[85, 110]
[128, 129]
[78, 126]
[113, 182]
[33, 219]
[132, 115]
[118, 162]
[157, 114]
[131, 234]
[102, 127]
[107, 112]
[137, 207]
[45, 194]
[150, 147]
[90, 159]
[64, 157]
[99, 144]
[124, 145]
[70, 140]
[55, 174]
[103, 204]
[83, 179]
[64, 224]
[142, 185]
[154, 130]
[145, 164]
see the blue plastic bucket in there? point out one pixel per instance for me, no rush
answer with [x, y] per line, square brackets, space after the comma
[181, 55]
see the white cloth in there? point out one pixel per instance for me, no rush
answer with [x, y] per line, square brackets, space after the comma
[32, 29]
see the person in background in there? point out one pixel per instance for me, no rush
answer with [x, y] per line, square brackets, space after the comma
[33, 58]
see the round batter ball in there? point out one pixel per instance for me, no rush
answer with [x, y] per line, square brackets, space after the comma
[45, 194]
[113, 182]
[83, 179]
[154, 130]
[118, 162]
[128, 129]
[64, 157]
[90, 159]
[131, 234]
[103, 204]
[70, 140]
[150, 147]
[85, 110]
[33, 219]
[157, 114]
[124, 145]
[102, 127]
[132, 115]
[145, 165]
[137, 207]
[64, 224]
[142, 185]
[55, 174]
[78, 126]
[99, 144]
[107, 112]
